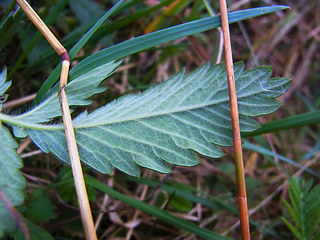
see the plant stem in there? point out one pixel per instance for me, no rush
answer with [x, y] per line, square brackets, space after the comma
[85, 210]
[242, 196]
[37, 21]
[25, 124]
[82, 195]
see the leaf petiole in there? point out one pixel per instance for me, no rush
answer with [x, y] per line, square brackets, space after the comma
[11, 120]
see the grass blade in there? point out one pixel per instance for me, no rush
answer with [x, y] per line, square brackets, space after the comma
[144, 42]
[287, 123]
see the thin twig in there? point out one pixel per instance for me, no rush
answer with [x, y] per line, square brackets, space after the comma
[242, 196]
[31, 154]
[85, 210]
[37, 21]
[104, 205]
[18, 102]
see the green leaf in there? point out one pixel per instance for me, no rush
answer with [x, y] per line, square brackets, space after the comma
[162, 124]
[78, 92]
[144, 42]
[4, 85]
[181, 204]
[293, 229]
[12, 183]
[38, 207]
[304, 209]
[11, 180]
[36, 233]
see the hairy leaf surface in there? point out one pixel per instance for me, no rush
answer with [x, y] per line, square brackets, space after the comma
[4, 85]
[11, 180]
[12, 183]
[162, 124]
[78, 91]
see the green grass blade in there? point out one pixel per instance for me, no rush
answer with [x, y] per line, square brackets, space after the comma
[154, 211]
[144, 42]
[287, 123]
[73, 52]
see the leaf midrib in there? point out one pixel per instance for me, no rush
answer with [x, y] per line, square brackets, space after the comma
[16, 120]
[148, 115]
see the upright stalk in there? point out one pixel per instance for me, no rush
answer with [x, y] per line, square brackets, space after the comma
[242, 196]
[85, 210]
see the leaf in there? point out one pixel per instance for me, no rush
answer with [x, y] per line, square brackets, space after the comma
[78, 91]
[292, 229]
[162, 124]
[4, 85]
[36, 233]
[11, 180]
[38, 207]
[88, 84]
[12, 183]
[181, 204]
[304, 209]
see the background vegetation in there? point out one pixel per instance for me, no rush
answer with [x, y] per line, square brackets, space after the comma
[288, 41]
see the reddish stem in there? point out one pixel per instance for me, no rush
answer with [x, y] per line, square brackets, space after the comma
[242, 197]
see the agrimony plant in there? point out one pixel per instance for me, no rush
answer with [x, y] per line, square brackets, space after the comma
[303, 209]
